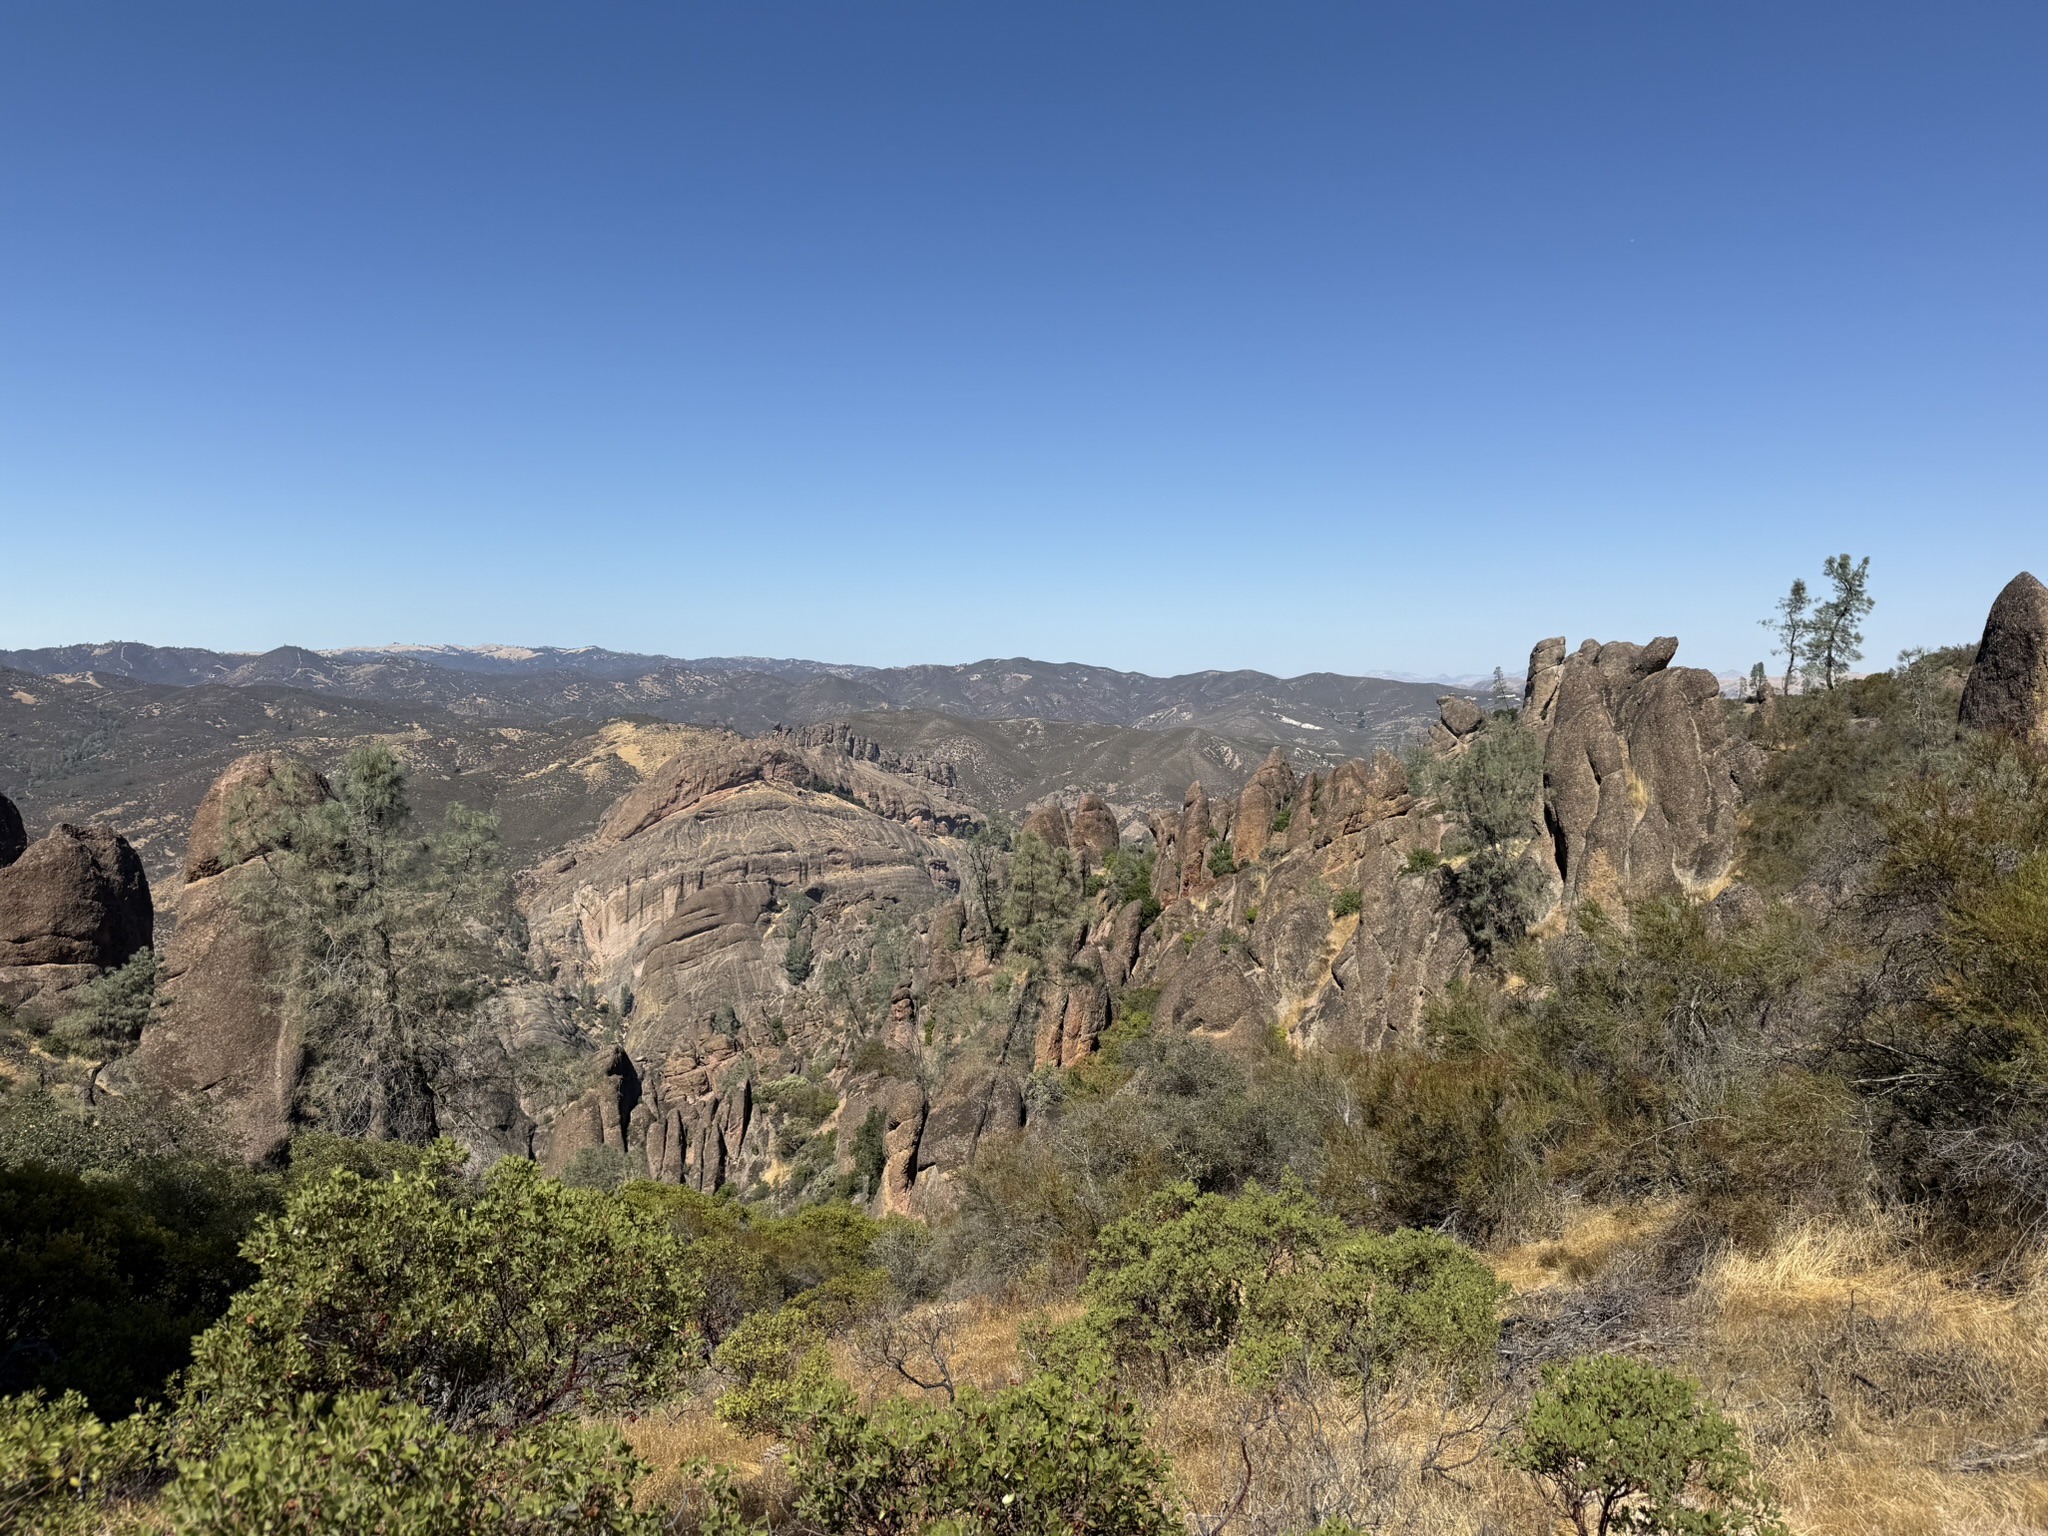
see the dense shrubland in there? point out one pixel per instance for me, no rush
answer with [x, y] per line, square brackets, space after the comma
[1247, 1291]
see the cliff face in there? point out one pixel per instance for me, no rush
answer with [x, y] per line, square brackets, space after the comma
[218, 1030]
[709, 913]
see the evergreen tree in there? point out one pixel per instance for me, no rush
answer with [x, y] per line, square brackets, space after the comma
[390, 942]
[1042, 907]
[1791, 627]
[1835, 634]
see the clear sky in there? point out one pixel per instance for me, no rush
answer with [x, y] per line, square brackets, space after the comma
[1345, 337]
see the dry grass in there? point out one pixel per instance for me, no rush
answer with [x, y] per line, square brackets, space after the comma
[1883, 1395]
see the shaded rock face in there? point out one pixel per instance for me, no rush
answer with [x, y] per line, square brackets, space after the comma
[71, 904]
[685, 912]
[1094, 834]
[218, 1029]
[2008, 684]
[1641, 780]
[13, 837]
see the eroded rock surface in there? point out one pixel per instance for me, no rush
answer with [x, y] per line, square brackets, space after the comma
[218, 1029]
[2008, 684]
[1641, 778]
[71, 904]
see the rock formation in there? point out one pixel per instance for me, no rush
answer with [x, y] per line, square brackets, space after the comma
[685, 912]
[218, 1028]
[13, 838]
[1641, 779]
[1268, 792]
[2008, 685]
[71, 904]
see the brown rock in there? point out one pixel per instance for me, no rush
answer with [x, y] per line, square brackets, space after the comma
[1269, 790]
[1094, 834]
[2008, 685]
[218, 1029]
[236, 819]
[1048, 824]
[1460, 716]
[1194, 841]
[1640, 778]
[76, 897]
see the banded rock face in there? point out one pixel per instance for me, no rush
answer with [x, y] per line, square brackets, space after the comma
[71, 904]
[218, 1029]
[685, 912]
[2008, 684]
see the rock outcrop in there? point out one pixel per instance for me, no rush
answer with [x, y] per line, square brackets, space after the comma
[218, 1029]
[708, 909]
[1641, 779]
[71, 904]
[1268, 792]
[2008, 684]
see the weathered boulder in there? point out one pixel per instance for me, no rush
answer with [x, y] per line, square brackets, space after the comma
[1641, 778]
[1048, 823]
[237, 819]
[219, 1029]
[2008, 685]
[13, 837]
[1461, 717]
[1094, 834]
[76, 897]
[71, 904]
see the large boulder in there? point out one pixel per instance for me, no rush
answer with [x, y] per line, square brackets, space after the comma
[71, 905]
[219, 1029]
[2008, 686]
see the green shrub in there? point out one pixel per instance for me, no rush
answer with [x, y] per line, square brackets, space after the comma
[1130, 879]
[775, 1362]
[59, 1464]
[369, 1464]
[105, 1281]
[1632, 1447]
[1059, 1453]
[529, 1301]
[1272, 1283]
[1221, 860]
[1348, 902]
[1421, 861]
[108, 1012]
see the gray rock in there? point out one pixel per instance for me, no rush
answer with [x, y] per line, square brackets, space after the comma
[2008, 685]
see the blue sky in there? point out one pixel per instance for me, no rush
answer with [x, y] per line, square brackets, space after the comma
[1344, 337]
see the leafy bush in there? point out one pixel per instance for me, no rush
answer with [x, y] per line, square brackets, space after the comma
[108, 1012]
[1493, 790]
[371, 1464]
[105, 1281]
[1221, 861]
[529, 1301]
[599, 1167]
[1632, 1447]
[59, 1464]
[1348, 902]
[1272, 1283]
[1059, 1453]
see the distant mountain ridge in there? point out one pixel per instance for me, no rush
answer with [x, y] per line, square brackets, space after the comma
[1326, 713]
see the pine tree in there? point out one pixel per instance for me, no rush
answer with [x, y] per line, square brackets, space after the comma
[1790, 626]
[390, 942]
[1836, 635]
